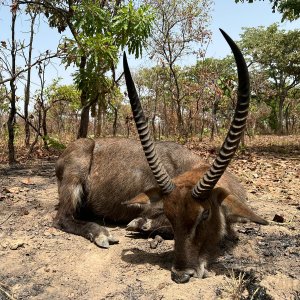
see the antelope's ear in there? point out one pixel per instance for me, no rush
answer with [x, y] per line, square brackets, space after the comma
[151, 196]
[235, 209]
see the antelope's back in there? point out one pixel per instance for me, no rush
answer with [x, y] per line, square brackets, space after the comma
[119, 171]
[114, 170]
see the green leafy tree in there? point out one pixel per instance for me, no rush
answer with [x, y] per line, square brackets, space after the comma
[277, 52]
[180, 30]
[153, 87]
[290, 9]
[115, 102]
[99, 29]
[64, 106]
[215, 91]
[12, 55]
[292, 111]
[262, 91]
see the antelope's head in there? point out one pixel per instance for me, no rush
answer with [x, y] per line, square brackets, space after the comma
[192, 201]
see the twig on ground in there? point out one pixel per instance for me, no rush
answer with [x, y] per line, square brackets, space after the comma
[5, 221]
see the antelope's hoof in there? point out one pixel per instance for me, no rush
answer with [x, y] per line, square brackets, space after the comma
[104, 241]
[180, 278]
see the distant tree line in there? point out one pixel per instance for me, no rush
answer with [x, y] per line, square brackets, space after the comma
[180, 101]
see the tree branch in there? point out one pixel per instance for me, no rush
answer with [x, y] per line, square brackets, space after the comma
[29, 67]
[30, 124]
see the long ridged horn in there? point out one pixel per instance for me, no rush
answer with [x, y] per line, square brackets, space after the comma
[211, 177]
[158, 170]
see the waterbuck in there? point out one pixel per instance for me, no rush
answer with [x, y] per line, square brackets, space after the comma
[110, 178]
[196, 202]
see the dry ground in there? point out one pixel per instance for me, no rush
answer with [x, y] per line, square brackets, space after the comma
[40, 262]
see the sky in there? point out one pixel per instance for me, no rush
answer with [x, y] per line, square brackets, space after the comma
[232, 17]
[226, 14]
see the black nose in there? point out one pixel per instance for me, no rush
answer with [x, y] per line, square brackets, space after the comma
[180, 277]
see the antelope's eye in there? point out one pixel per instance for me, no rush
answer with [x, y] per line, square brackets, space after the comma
[205, 215]
[202, 217]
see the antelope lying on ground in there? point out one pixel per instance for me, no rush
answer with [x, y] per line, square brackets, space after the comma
[110, 178]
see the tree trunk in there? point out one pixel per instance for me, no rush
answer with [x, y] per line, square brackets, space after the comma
[293, 122]
[115, 109]
[10, 125]
[85, 112]
[100, 114]
[84, 122]
[153, 127]
[44, 126]
[280, 113]
[214, 127]
[12, 112]
[190, 123]
[287, 117]
[202, 124]
[154, 117]
[38, 129]
[27, 87]
[176, 97]
[99, 121]
[26, 105]
[85, 116]
[115, 122]
[180, 124]
[127, 122]
[166, 125]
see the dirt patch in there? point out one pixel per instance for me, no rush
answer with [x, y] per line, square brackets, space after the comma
[38, 261]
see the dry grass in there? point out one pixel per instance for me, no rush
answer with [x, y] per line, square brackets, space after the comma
[5, 291]
[281, 145]
[235, 286]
